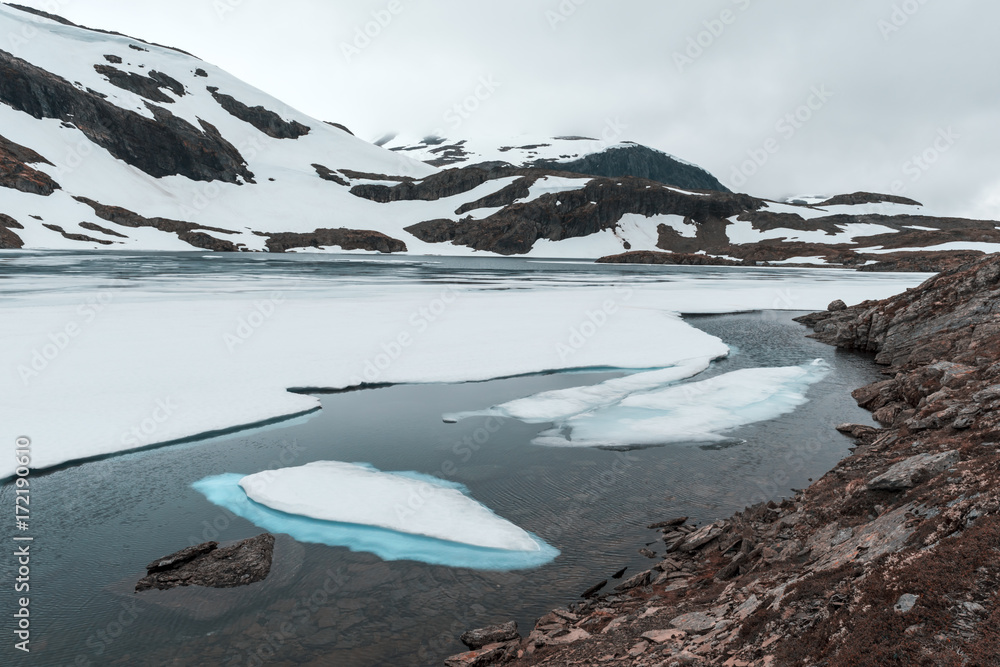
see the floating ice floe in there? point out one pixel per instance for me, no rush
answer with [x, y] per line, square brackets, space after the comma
[650, 409]
[561, 404]
[394, 515]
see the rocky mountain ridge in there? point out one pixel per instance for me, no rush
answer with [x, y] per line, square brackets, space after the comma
[590, 156]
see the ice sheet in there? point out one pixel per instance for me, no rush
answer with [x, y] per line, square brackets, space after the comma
[155, 361]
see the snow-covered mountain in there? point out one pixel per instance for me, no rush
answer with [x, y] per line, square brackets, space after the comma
[579, 155]
[110, 142]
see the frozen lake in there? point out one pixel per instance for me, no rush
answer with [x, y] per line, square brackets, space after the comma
[509, 331]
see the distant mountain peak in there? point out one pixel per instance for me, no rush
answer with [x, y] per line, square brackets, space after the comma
[574, 154]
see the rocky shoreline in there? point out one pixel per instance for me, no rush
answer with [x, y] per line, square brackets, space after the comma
[890, 559]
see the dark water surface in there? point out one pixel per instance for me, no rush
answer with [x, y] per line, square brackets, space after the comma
[102, 521]
[99, 523]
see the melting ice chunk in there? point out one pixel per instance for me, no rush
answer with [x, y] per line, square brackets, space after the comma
[561, 404]
[651, 408]
[393, 515]
[692, 412]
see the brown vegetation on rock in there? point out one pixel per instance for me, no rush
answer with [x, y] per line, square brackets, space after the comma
[669, 258]
[189, 232]
[15, 172]
[345, 239]
[8, 239]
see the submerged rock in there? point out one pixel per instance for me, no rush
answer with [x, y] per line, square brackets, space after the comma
[208, 565]
[492, 634]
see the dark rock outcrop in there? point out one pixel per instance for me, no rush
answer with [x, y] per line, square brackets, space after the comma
[212, 566]
[162, 146]
[7, 221]
[506, 196]
[104, 230]
[596, 206]
[867, 198]
[491, 654]
[641, 162]
[149, 87]
[339, 126]
[444, 155]
[328, 174]
[8, 239]
[368, 176]
[711, 236]
[946, 316]
[927, 261]
[77, 237]
[346, 239]
[15, 172]
[264, 120]
[493, 634]
[669, 258]
[447, 183]
[188, 232]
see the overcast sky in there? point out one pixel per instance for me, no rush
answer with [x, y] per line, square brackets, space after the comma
[711, 81]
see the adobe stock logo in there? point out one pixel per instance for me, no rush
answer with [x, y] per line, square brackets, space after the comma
[714, 29]
[785, 128]
[900, 17]
[922, 162]
[370, 31]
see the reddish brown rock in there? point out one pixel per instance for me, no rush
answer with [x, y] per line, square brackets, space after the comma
[16, 173]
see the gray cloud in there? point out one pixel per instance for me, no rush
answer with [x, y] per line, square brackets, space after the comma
[901, 72]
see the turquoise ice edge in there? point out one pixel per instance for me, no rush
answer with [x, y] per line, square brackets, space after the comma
[224, 490]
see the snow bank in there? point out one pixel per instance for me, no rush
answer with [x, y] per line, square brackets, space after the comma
[396, 516]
